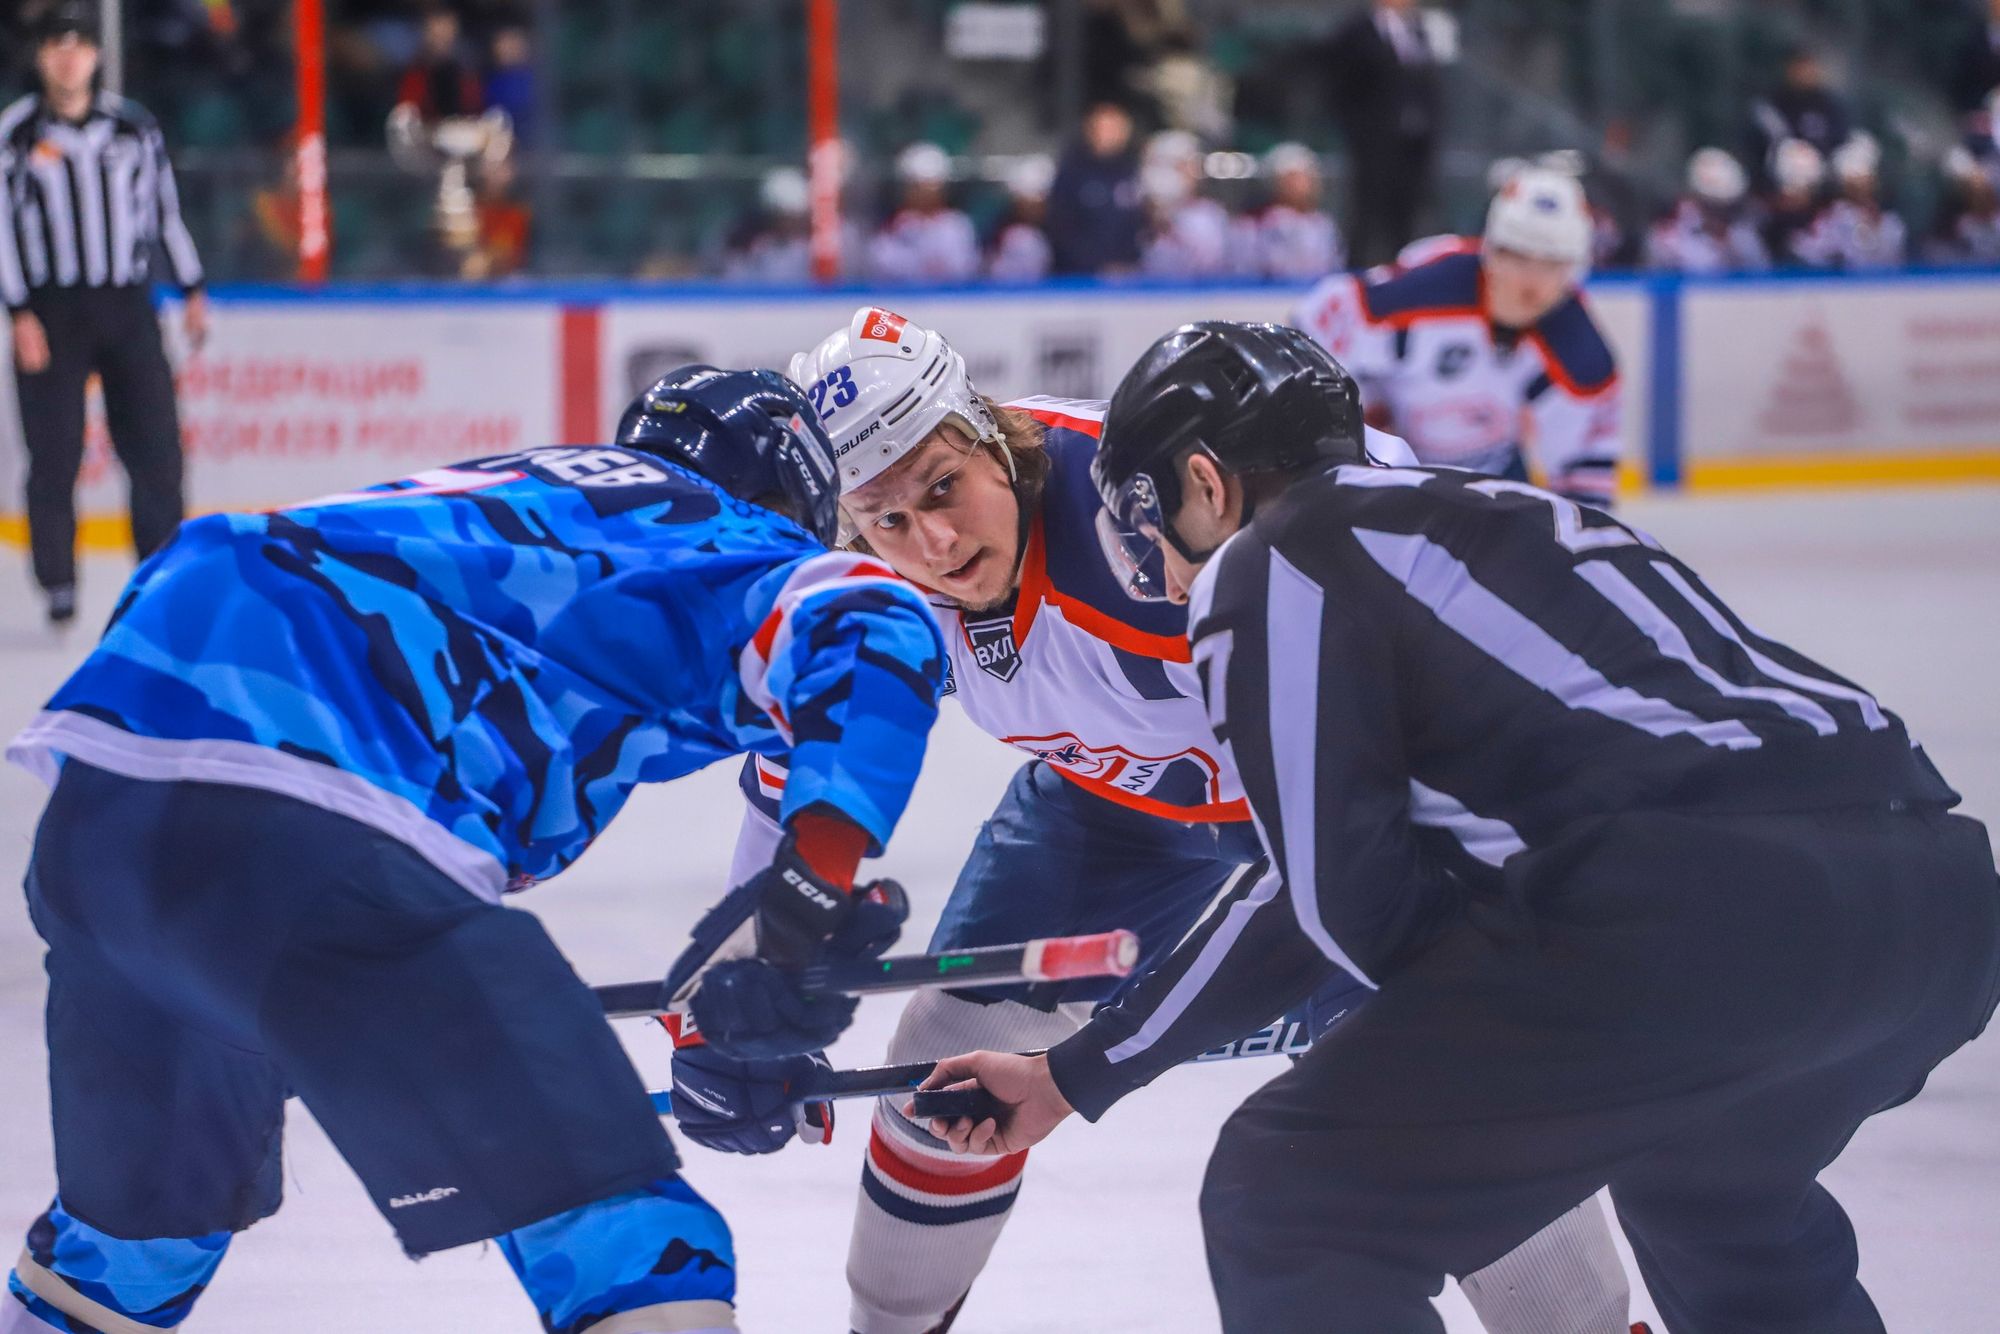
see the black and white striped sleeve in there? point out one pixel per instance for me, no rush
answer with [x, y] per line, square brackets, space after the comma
[1302, 697]
[13, 277]
[175, 238]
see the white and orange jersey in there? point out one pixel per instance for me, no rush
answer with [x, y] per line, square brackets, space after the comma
[1432, 364]
[1078, 674]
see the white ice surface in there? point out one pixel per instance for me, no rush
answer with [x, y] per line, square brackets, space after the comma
[1899, 591]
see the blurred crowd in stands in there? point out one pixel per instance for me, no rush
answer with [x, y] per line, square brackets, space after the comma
[1181, 166]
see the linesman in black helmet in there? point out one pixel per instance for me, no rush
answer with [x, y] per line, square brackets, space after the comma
[86, 196]
[1648, 900]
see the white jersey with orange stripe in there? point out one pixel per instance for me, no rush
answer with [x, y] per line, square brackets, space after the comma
[1078, 674]
[1463, 392]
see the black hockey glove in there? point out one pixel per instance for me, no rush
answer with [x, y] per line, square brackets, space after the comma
[736, 1106]
[754, 1007]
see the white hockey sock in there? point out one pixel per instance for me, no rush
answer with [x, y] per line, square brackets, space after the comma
[1566, 1279]
[927, 1218]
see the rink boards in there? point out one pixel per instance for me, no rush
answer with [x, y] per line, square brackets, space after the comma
[1728, 383]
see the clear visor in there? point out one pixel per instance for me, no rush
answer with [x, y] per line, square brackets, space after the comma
[1130, 533]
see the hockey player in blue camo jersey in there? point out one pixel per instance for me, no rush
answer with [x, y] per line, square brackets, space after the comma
[315, 748]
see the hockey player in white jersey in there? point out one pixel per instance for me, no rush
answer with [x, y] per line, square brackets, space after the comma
[1292, 238]
[1123, 817]
[925, 239]
[1486, 357]
[1711, 229]
[1187, 233]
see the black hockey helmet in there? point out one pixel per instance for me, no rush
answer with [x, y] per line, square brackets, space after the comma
[752, 433]
[1253, 397]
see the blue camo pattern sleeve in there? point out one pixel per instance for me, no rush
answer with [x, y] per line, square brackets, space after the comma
[849, 661]
[502, 650]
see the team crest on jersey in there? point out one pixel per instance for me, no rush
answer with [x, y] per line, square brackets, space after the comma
[993, 646]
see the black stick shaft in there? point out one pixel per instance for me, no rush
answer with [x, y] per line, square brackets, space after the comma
[1111, 954]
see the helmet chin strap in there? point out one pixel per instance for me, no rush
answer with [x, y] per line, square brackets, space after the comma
[1188, 553]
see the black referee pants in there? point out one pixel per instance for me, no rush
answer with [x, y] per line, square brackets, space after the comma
[114, 332]
[1697, 1011]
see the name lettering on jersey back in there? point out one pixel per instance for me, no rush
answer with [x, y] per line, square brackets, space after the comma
[993, 646]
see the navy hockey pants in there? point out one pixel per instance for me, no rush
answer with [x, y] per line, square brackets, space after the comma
[1695, 1010]
[1056, 859]
[214, 948]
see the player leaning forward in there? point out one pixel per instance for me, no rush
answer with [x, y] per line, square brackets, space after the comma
[1709, 910]
[1123, 818]
[1481, 352]
[314, 748]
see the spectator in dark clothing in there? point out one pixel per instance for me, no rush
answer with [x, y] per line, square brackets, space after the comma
[1095, 214]
[1803, 107]
[1121, 41]
[440, 82]
[1975, 73]
[510, 85]
[1388, 99]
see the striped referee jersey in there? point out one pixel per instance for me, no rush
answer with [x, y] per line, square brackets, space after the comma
[83, 203]
[1422, 675]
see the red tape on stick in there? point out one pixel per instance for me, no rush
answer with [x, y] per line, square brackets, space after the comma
[1109, 954]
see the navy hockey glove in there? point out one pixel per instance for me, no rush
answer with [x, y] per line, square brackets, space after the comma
[735, 1106]
[753, 1007]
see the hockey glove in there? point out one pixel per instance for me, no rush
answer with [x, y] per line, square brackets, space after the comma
[735, 1106]
[752, 1006]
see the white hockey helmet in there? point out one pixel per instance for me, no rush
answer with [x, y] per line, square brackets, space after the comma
[1959, 164]
[1290, 156]
[883, 384]
[923, 163]
[1859, 158]
[1797, 165]
[1031, 176]
[1715, 177]
[1542, 214]
[784, 192]
[1178, 147]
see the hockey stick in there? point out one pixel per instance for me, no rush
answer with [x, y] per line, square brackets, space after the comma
[1056, 959]
[869, 1081]
[1286, 1036]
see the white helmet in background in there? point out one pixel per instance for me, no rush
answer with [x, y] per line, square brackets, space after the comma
[1715, 177]
[785, 192]
[1859, 158]
[881, 385]
[1797, 165]
[1177, 147]
[1031, 176]
[1290, 156]
[1542, 214]
[923, 163]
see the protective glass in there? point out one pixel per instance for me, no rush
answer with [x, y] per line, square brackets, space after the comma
[1130, 531]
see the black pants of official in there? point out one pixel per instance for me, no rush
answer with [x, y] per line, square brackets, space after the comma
[114, 332]
[1695, 1011]
[1391, 180]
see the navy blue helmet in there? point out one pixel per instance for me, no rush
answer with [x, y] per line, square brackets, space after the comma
[752, 433]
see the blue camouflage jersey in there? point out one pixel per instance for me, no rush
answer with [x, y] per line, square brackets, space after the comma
[483, 660]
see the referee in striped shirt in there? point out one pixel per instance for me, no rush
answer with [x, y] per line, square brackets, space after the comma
[1644, 898]
[86, 192]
